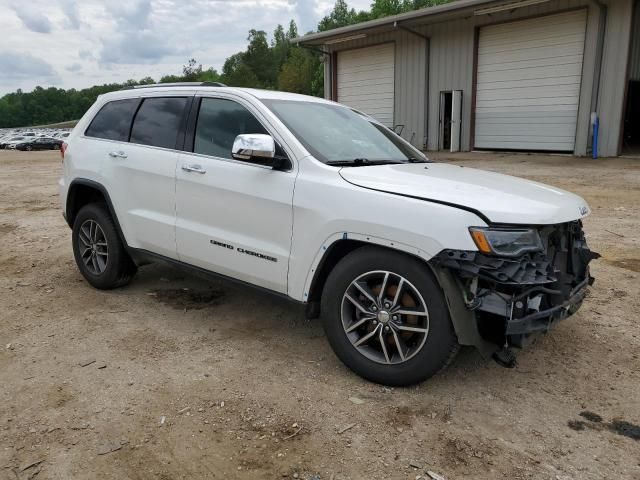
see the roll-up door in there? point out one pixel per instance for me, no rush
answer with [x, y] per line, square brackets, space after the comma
[366, 80]
[528, 83]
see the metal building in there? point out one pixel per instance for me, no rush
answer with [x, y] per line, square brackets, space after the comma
[529, 75]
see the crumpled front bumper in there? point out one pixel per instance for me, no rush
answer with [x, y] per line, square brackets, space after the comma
[543, 320]
[514, 299]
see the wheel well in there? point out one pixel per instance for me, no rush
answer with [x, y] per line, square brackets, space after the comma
[79, 196]
[336, 252]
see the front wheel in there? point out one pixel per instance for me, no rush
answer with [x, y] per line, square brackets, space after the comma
[98, 250]
[386, 317]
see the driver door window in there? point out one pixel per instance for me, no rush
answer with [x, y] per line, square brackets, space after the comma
[219, 122]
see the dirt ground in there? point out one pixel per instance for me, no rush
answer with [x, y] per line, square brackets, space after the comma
[185, 378]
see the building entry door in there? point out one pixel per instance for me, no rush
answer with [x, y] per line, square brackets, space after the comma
[450, 120]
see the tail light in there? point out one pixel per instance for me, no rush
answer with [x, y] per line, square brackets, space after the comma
[63, 148]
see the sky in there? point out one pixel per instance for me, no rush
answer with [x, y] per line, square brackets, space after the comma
[79, 43]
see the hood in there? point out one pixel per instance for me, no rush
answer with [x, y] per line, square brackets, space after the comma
[499, 198]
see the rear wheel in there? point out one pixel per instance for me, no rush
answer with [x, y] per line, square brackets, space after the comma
[98, 250]
[386, 318]
[28, 148]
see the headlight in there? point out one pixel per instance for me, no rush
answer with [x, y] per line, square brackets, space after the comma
[507, 243]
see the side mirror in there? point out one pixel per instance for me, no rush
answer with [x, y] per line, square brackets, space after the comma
[254, 146]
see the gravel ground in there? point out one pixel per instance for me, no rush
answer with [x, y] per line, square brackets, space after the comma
[178, 377]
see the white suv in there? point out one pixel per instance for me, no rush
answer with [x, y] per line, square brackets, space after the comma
[402, 258]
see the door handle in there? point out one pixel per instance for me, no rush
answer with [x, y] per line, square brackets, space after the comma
[119, 154]
[194, 169]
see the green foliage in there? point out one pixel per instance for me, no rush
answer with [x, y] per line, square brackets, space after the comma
[383, 8]
[50, 105]
[191, 71]
[277, 64]
[293, 30]
[298, 72]
[340, 16]
[259, 59]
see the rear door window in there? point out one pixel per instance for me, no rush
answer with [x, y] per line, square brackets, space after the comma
[157, 122]
[113, 121]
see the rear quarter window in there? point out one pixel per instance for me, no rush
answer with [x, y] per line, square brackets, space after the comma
[113, 121]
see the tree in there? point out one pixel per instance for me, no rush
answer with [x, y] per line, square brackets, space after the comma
[293, 30]
[416, 4]
[383, 8]
[236, 73]
[170, 79]
[279, 37]
[209, 75]
[279, 47]
[191, 71]
[298, 72]
[317, 84]
[340, 16]
[259, 59]
[242, 76]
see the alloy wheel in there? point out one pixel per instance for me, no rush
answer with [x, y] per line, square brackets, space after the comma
[385, 317]
[92, 244]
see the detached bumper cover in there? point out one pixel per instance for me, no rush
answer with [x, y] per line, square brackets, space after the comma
[515, 297]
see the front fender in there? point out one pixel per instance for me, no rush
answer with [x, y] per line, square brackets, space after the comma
[359, 237]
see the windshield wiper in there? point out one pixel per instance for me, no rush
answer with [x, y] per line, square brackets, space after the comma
[418, 160]
[354, 162]
[360, 162]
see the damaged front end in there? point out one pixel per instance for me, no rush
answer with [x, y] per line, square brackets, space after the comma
[514, 298]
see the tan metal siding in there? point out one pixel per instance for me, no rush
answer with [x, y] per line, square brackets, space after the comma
[327, 76]
[451, 67]
[410, 75]
[634, 61]
[613, 81]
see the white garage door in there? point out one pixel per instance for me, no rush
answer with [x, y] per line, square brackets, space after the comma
[366, 80]
[528, 85]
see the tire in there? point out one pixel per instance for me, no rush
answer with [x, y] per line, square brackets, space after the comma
[426, 353]
[28, 148]
[118, 269]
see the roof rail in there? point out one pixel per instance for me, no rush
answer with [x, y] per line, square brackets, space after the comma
[177, 84]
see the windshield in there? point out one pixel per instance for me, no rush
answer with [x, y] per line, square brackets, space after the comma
[337, 135]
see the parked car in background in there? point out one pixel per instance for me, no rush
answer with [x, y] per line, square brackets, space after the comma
[7, 144]
[20, 135]
[40, 143]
